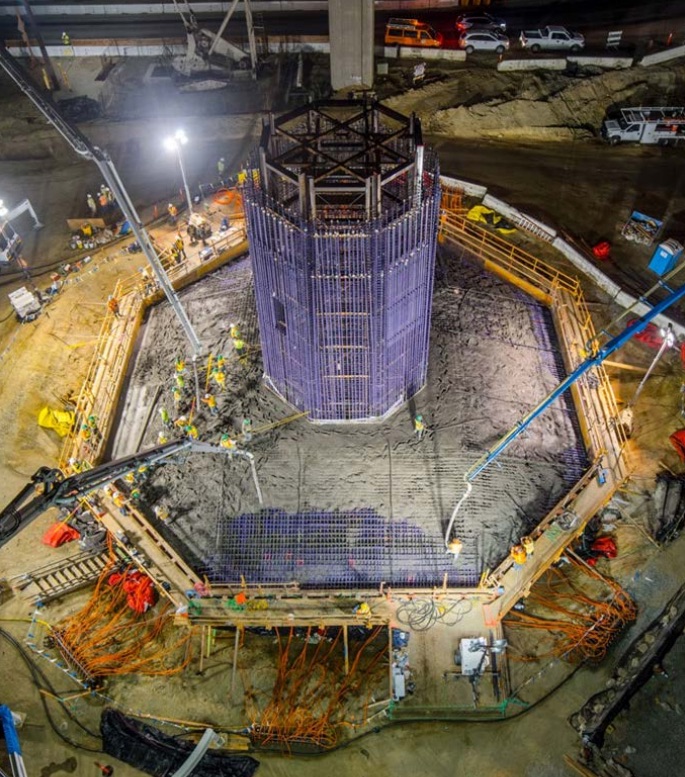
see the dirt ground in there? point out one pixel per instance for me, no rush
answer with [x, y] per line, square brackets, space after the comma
[42, 361]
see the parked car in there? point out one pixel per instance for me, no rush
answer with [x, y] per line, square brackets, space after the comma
[552, 39]
[483, 40]
[483, 21]
[411, 32]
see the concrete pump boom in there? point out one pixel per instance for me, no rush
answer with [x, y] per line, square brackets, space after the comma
[58, 491]
[84, 148]
[592, 361]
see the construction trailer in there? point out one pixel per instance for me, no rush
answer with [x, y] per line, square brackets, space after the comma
[663, 126]
[342, 203]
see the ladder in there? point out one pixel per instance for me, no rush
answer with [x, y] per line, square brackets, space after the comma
[51, 581]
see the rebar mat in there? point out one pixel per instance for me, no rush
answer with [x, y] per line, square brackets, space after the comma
[333, 549]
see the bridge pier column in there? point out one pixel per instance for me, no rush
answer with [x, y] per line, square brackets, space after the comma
[351, 30]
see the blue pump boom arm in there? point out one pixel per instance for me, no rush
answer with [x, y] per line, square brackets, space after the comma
[592, 361]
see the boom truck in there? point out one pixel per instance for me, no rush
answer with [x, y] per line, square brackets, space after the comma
[662, 126]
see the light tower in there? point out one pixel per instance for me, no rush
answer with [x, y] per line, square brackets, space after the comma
[342, 207]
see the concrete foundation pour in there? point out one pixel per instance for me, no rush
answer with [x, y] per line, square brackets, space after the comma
[354, 505]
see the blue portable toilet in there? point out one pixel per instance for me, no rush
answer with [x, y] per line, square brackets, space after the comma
[666, 256]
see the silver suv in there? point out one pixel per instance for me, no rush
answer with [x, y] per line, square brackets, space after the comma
[483, 40]
[483, 21]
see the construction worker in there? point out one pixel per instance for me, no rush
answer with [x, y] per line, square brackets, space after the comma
[177, 396]
[166, 418]
[221, 168]
[146, 278]
[242, 178]
[135, 494]
[180, 381]
[102, 200]
[87, 229]
[75, 465]
[181, 421]
[247, 429]
[518, 556]
[120, 501]
[191, 431]
[362, 610]
[454, 547]
[180, 365]
[221, 362]
[86, 432]
[227, 443]
[92, 205]
[113, 306]
[162, 438]
[419, 426]
[173, 212]
[239, 346]
[219, 377]
[66, 39]
[210, 401]
[161, 512]
[142, 473]
[234, 332]
[179, 245]
[528, 545]
[130, 478]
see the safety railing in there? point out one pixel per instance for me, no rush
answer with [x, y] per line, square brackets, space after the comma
[593, 395]
[100, 391]
[504, 257]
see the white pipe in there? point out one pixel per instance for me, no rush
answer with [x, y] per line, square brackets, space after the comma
[192, 761]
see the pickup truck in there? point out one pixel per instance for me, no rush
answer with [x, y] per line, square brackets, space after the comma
[552, 39]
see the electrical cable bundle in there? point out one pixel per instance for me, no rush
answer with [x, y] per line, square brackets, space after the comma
[580, 627]
[108, 638]
[308, 698]
[46, 689]
[423, 614]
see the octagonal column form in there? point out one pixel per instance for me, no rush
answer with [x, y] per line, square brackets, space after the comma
[342, 206]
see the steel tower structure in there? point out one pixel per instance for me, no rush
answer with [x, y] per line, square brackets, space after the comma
[342, 203]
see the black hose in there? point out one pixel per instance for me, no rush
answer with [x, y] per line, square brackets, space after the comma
[38, 674]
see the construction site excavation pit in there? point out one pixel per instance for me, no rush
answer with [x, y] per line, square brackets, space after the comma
[351, 506]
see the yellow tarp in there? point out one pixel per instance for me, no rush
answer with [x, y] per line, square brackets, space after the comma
[59, 420]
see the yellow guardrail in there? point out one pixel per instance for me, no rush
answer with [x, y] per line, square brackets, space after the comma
[101, 388]
[593, 396]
